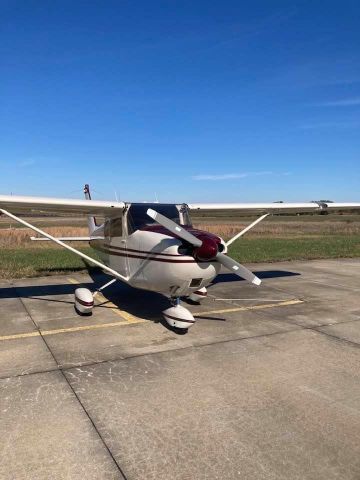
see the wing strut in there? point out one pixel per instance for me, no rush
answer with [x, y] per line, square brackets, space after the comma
[62, 244]
[246, 229]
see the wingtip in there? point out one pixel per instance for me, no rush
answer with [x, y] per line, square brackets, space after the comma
[256, 281]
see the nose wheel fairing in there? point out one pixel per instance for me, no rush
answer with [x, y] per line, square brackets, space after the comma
[179, 317]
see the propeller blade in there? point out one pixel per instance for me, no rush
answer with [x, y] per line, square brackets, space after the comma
[174, 228]
[237, 268]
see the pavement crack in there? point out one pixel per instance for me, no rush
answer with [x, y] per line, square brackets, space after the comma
[73, 391]
[335, 337]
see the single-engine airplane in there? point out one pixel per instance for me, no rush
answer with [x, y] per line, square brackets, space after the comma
[153, 246]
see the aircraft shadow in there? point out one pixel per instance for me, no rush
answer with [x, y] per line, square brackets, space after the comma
[231, 277]
[39, 290]
[144, 304]
[140, 303]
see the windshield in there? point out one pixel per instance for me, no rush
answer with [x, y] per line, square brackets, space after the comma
[138, 219]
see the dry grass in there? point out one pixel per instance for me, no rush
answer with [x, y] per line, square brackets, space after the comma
[42, 222]
[271, 240]
[283, 229]
[20, 237]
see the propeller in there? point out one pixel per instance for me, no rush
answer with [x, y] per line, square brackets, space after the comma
[174, 228]
[205, 249]
[237, 268]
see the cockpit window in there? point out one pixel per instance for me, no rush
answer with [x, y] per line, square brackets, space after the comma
[138, 218]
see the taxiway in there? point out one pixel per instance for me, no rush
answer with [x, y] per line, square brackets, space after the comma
[266, 385]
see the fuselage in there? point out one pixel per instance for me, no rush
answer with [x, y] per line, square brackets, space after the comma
[151, 257]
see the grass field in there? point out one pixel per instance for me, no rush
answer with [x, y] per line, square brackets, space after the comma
[34, 262]
[307, 248]
[275, 239]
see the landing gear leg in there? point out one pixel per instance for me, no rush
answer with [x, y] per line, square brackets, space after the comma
[104, 286]
[175, 301]
[178, 317]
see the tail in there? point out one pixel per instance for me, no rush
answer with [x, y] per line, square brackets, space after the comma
[91, 220]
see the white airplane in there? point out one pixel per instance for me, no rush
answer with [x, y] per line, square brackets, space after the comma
[153, 246]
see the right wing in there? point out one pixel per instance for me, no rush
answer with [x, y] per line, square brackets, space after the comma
[275, 207]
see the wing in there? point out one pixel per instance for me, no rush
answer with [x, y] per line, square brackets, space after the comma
[36, 205]
[343, 206]
[275, 207]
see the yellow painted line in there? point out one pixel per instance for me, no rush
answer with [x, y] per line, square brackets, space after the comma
[20, 335]
[64, 330]
[253, 307]
[82, 328]
[99, 297]
[124, 315]
[131, 319]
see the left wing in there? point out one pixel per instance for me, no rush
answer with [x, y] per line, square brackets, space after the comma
[37, 205]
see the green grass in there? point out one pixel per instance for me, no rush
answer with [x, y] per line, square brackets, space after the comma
[307, 248]
[31, 262]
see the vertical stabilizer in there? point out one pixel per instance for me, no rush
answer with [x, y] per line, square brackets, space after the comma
[91, 220]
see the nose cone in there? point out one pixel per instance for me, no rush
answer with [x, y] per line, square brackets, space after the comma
[208, 249]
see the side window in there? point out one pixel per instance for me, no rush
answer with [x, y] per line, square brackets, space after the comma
[116, 227]
[107, 229]
[185, 216]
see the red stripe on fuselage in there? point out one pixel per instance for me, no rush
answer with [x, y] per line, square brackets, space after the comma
[151, 255]
[132, 250]
[147, 256]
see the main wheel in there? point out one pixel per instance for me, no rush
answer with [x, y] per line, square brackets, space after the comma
[84, 301]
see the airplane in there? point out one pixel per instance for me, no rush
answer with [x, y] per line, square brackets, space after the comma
[153, 246]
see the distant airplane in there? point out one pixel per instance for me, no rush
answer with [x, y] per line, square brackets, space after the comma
[153, 246]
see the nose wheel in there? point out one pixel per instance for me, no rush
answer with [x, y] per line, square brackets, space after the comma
[178, 317]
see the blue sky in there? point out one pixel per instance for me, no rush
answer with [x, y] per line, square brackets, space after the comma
[188, 101]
